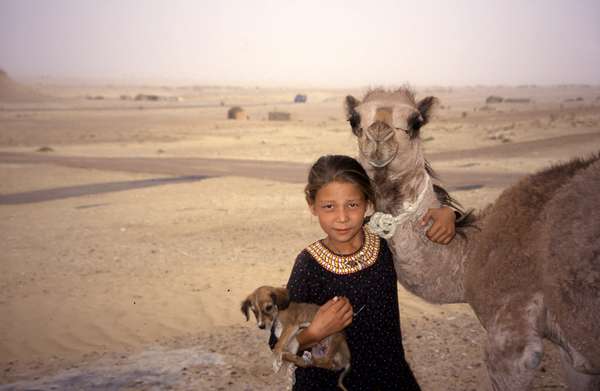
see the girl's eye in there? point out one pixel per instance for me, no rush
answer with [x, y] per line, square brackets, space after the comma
[353, 205]
[327, 206]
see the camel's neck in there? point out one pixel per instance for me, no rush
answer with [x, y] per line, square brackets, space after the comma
[432, 271]
[399, 182]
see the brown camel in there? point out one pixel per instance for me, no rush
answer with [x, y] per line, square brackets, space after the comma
[529, 265]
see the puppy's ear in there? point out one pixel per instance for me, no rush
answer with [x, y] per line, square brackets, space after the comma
[245, 307]
[280, 297]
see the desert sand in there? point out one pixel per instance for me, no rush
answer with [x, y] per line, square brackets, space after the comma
[129, 238]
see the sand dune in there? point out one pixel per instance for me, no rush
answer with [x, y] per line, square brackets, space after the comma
[11, 91]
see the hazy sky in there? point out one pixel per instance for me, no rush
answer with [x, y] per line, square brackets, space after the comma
[285, 42]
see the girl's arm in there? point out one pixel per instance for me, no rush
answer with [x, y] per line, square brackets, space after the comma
[333, 316]
[443, 228]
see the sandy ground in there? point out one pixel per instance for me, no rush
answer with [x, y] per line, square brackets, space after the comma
[138, 286]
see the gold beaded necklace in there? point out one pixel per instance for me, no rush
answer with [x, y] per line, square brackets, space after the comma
[346, 264]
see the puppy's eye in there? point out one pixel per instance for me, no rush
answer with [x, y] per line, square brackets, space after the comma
[269, 307]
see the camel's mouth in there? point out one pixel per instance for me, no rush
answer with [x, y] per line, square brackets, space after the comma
[379, 157]
[380, 163]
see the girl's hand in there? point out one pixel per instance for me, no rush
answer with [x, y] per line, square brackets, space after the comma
[333, 316]
[442, 230]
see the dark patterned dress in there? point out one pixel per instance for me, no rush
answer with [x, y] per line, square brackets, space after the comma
[368, 279]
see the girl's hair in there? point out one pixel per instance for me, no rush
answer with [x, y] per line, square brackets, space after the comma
[337, 168]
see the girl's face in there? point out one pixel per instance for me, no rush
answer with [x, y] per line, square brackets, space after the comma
[341, 208]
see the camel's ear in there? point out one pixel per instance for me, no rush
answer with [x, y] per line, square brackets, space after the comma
[420, 118]
[280, 297]
[352, 115]
[245, 307]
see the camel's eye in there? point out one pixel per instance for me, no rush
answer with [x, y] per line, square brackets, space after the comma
[269, 307]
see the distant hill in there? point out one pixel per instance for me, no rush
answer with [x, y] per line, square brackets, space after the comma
[11, 91]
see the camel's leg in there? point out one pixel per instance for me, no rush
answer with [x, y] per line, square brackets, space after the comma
[514, 347]
[510, 370]
[578, 381]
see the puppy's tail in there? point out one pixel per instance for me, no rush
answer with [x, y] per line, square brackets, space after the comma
[342, 376]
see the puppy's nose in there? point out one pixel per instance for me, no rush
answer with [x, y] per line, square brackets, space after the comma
[261, 326]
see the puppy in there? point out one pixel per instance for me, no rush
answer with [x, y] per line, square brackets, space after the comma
[273, 309]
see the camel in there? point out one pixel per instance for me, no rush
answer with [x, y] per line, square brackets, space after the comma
[528, 265]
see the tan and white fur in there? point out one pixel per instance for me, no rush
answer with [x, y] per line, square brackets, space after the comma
[271, 306]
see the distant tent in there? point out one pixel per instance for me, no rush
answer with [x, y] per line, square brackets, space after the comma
[300, 98]
[236, 112]
[279, 116]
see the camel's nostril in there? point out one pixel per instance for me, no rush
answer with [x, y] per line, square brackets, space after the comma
[370, 137]
[261, 326]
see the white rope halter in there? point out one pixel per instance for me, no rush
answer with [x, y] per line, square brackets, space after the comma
[384, 224]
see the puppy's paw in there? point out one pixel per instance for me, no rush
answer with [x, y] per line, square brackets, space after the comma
[277, 362]
[307, 357]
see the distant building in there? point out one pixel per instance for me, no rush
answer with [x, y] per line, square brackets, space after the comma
[148, 97]
[236, 112]
[517, 100]
[300, 98]
[494, 99]
[279, 116]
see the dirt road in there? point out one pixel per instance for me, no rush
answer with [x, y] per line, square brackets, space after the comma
[192, 169]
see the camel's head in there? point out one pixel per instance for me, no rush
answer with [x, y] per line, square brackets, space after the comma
[387, 123]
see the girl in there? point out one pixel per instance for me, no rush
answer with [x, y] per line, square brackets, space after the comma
[350, 273]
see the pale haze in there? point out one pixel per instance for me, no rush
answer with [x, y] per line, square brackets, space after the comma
[328, 43]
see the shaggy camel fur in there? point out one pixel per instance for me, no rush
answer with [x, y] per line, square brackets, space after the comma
[529, 267]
